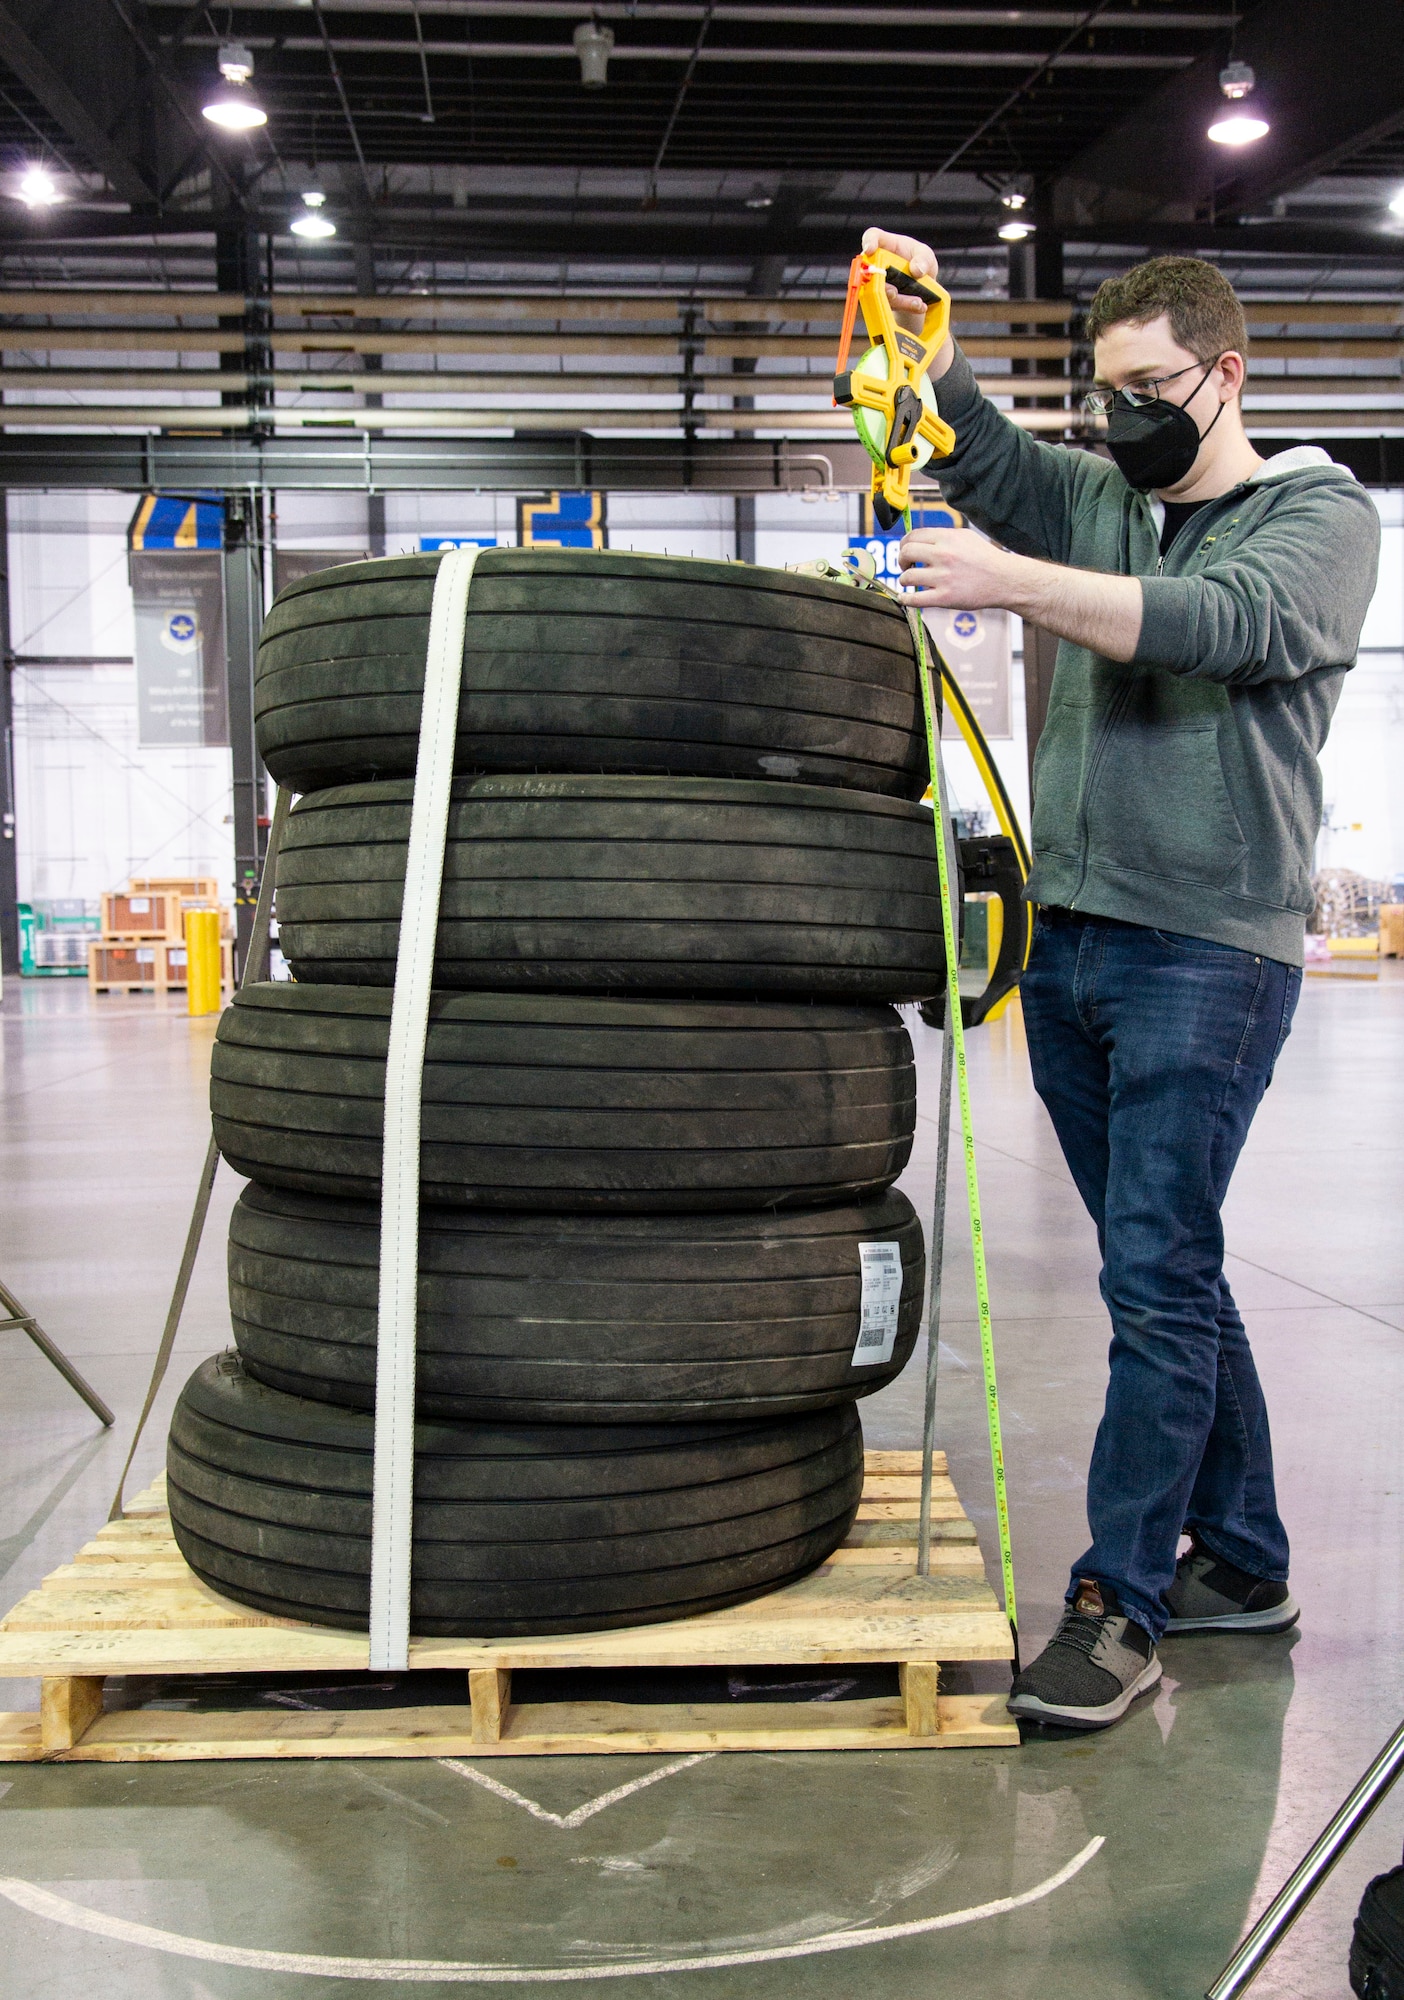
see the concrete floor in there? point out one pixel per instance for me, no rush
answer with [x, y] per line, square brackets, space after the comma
[1203, 1800]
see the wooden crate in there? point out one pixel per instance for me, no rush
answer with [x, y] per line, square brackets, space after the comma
[126, 965]
[1392, 930]
[136, 913]
[146, 965]
[128, 1604]
[189, 888]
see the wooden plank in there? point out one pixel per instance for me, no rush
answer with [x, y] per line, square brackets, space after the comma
[947, 1559]
[183, 1604]
[902, 1461]
[905, 1486]
[864, 1534]
[543, 1729]
[921, 1688]
[885, 1615]
[20, 1740]
[490, 1699]
[68, 1704]
[117, 1570]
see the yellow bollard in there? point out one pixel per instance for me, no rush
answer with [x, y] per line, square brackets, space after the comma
[202, 961]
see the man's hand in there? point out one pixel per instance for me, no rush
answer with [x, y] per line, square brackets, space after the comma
[920, 256]
[958, 570]
[922, 260]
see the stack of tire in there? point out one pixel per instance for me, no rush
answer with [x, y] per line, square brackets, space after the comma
[666, 1094]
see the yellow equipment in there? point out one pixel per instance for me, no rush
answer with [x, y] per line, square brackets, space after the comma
[202, 961]
[888, 390]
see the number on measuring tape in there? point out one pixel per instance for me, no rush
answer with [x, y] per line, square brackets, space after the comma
[881, 1265]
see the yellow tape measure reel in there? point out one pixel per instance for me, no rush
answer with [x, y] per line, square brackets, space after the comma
[888, 390]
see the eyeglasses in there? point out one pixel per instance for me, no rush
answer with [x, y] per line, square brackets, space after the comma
[1099, 402]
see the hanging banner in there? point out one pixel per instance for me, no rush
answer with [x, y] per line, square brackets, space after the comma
[177, 521]
[178, 599]
[976, 647]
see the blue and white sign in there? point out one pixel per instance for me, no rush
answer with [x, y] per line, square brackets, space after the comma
[431, 544]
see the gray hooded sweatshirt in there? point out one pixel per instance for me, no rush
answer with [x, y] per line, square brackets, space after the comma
[1181, 791]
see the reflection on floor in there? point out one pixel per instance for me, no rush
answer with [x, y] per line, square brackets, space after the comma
[1202, 1800]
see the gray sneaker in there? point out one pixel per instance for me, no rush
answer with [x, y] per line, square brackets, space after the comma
[1091, 1670]
[1210, 1595]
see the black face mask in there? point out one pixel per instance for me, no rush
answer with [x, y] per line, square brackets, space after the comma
[1156, 444]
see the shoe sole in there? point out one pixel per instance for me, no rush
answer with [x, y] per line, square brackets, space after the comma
[1277, 1618]
[1028, 1707]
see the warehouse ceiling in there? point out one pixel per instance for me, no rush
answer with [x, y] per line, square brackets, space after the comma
[745, 140]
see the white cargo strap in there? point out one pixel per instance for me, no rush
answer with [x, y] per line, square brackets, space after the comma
[392, 1515]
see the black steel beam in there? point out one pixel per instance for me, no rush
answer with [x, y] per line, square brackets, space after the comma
[359, 463]
[631, 237]
[243, 616]
[1328, 82]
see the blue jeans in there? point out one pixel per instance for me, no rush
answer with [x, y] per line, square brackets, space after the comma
[1151, 1052]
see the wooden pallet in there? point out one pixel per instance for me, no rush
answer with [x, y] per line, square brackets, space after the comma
[128, 1605]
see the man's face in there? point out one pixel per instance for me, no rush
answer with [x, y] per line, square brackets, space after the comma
[1132, 357]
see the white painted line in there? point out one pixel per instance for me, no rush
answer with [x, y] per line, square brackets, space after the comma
[424, 1971]
[569, 1820]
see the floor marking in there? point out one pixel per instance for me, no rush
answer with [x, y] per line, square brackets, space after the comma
[424, 1971]
[568, 1821]
[389, 1793]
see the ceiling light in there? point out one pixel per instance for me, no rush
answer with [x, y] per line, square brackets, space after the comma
[1237, 128]
[1014, 232]
[1013, 199]
[593, 44]
[1240, 128]
[234, 107]
[1396, 206]
[37, 189]
[311, 225]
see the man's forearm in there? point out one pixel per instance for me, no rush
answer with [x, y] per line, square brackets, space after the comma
[1100, 612]
[958, 570]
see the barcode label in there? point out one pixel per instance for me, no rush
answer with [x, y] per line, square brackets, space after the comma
[881, 1266]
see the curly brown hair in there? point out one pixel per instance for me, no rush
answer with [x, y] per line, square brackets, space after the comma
[1202, 306]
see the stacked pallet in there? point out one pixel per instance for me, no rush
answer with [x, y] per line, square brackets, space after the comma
[140, 947]
[665, 1095]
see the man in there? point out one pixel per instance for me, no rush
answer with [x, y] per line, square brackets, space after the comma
[1209, 605]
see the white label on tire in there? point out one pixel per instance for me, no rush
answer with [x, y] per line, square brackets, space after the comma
[881, 1265]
